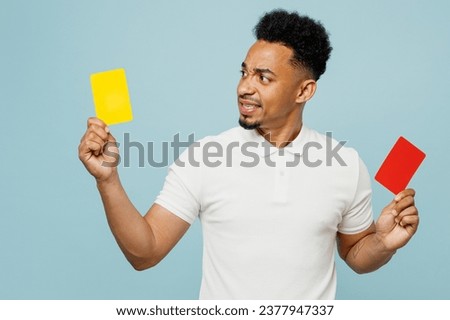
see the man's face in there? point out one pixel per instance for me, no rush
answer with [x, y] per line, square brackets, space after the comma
[269, 87]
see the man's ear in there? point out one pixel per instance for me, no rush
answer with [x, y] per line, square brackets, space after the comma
[306, 90]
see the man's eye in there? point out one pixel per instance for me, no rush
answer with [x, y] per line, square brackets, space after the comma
[264, 79]
[243, 73]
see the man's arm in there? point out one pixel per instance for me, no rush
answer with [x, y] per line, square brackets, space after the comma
[369, 250]
[143, 240]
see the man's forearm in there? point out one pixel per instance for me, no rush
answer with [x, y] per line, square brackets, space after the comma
[368, 254]
[132, 232]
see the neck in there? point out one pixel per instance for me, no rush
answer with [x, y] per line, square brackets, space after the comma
[281, 137]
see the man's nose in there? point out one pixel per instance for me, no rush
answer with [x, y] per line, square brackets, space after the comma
[245, 87]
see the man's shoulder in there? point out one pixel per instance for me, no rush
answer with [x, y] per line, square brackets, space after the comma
[329, 143]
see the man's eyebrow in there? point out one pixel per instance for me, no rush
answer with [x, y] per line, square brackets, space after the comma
[259, 70]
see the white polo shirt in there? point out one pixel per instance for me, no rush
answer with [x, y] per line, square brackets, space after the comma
[269, 216]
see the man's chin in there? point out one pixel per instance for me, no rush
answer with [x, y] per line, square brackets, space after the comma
[249, 126]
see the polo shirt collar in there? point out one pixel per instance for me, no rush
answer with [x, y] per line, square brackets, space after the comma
[264, 148]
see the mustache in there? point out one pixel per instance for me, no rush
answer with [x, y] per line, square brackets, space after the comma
[249, 98]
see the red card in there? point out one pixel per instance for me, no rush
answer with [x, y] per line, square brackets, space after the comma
[400, 165]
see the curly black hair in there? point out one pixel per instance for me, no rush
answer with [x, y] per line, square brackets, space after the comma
[305, 36]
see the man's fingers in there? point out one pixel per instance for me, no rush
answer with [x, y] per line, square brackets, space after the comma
[93, 137]
[410, 220]
[96, 121]
[410, 211]
[99, 131]
[394, 204]
[111, 138]
[405, 193]
[97, 149]
[403, 204]
[390, 206]
[94, 140]
[89, 147]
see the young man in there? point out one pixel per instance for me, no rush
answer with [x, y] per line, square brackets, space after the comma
[272, 202]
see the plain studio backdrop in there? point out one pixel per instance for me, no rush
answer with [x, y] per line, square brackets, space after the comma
[388, 76]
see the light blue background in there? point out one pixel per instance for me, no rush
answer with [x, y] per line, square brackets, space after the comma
[388, 76]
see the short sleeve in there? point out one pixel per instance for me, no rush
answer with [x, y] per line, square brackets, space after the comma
[181, 191]
[359, 215]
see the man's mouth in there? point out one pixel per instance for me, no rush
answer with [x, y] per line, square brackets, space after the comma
[247, 107]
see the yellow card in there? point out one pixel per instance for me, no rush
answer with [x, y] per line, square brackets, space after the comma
[111, 99]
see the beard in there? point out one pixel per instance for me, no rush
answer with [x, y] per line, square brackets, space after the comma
[249, 126]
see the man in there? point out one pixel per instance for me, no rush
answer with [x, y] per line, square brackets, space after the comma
[272, 204]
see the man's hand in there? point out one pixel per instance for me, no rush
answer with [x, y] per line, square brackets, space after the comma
[370, 249]
[398, 221]
[98, 150]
